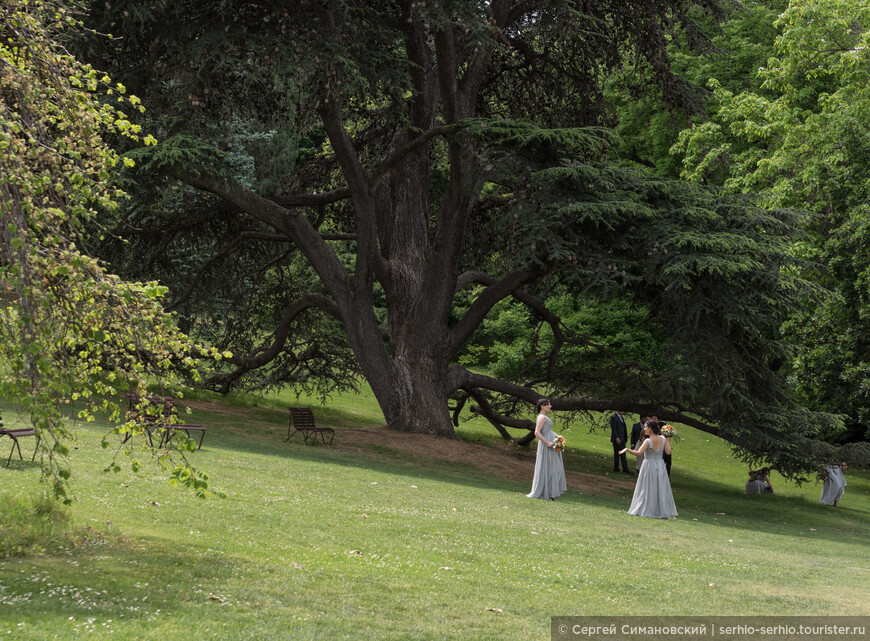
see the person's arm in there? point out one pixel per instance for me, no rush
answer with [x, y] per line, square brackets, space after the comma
[636, 452]
[538, 435]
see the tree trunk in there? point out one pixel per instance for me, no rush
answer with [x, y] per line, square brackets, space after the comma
[418, 398]
[411, 385]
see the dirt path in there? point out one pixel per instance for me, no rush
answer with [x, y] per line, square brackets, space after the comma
[501, 459]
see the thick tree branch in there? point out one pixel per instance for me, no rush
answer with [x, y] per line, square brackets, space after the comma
[460, 378]
[446, 66]
[369, 259]
[424, 100]
[226, 251]
[555, 323]
[265, 354]
[494, 417]
[313, 200]
[296, 226]
[517, 10]
[495, 292]
[401, 152]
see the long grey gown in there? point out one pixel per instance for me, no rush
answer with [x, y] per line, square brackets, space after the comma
[833, 486]
[755, 486]
[652, 494]
[549, 481]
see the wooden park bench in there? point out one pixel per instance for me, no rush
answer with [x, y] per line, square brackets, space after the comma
[15, 434]
[302, 420]
[155, 415]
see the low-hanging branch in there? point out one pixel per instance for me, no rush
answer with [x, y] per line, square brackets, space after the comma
[464, 379]
[499, 421]
[265, 354]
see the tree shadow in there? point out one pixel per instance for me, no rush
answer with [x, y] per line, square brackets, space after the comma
[707, 502]
[137, 586]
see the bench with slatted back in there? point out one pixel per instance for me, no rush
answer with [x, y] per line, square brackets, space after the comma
[156, 415]
[302, 420]
[15, 434]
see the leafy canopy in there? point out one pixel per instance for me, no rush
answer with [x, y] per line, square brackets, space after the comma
[72, 335]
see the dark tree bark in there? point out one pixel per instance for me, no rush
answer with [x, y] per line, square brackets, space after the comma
[426, 122]
[409, 245]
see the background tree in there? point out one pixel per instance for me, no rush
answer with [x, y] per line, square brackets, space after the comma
[387, 157]
[800, 141]
[70, 332]
[730, 49]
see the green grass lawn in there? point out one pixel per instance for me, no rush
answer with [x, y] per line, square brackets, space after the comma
[352, 543]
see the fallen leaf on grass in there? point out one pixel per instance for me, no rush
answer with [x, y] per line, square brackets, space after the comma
[155, 503]
[355, 552]
[446, 567]
[494, 610]
[298, 567]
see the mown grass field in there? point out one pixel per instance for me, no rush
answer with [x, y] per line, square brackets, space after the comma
[374, 539]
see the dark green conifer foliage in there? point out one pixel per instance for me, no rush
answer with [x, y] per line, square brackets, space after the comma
[402, 167]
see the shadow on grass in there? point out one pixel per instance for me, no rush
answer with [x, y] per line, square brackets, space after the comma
[138, 586]
[711, 502]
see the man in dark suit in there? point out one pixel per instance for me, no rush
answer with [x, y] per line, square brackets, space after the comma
[619, 439]
[636, 439]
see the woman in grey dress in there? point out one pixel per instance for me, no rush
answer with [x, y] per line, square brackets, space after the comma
[644, 435]
[652, 494]
[834, 484]
[549, 481]
[759, 481]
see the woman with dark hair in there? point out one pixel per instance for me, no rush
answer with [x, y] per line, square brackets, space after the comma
[759, 481]
[549, 481]
[652, 494]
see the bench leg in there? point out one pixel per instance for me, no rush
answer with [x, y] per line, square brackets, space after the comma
[12, 451]
[35, 449]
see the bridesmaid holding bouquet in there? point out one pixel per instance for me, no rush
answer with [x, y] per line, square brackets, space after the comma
[549, 481]
[652, 494]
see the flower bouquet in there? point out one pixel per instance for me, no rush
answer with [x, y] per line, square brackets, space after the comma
[668, 431]
[822, 474]
[559, 443]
